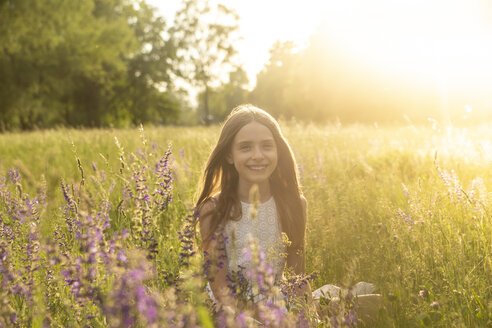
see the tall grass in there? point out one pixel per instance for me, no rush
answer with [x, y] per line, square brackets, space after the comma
[407, 208]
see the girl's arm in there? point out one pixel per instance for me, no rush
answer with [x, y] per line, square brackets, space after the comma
[214, 254]
[296, 258]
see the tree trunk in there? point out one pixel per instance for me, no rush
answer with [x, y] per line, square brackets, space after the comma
[206, 118]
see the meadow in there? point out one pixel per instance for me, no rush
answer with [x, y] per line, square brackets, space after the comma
[97, 226]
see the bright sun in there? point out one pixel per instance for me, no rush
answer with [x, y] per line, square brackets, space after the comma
[448, 42]
[437, 43]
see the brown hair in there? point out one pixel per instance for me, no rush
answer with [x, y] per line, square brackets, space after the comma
[220, 176]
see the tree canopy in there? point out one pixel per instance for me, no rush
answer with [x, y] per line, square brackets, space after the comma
[117, 63]
[206, 36]
[322, 82]
[84, 63]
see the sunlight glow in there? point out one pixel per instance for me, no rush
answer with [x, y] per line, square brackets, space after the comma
[443, 42]
[443, 46]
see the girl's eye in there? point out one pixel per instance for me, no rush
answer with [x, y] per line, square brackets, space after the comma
[244, 147]
[267, 146]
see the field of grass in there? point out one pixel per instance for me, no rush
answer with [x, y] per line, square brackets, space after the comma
[95, 226]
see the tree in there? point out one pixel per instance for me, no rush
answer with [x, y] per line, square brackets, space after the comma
[277, 85]
[61, 58]
[146, 92]
[327, 82]
[228, 95]
[205, 36]
[85, 62]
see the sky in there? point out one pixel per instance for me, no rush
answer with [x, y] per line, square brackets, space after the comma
[447, 41]
[262, 22]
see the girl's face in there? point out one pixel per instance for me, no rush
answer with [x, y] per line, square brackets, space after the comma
[253, 153]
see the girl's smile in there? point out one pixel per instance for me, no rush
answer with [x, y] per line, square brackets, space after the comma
[253, 154]
[257, 168]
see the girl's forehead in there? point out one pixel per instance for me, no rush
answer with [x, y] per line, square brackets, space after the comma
[253, 131]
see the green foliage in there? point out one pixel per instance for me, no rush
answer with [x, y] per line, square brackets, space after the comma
[324, 82]
[406, 208]
[90, 62]
[227, 96]
[205, 33]
[277, 86]
[146, 92]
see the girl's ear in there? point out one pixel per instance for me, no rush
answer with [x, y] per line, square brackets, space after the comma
[229, 159]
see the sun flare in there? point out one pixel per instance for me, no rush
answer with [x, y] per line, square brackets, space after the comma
[421, 46]
[435, 41]
[433, 53]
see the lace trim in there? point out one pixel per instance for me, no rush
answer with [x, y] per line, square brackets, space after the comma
[265, 228]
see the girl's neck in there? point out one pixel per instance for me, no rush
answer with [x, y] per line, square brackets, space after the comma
[263, 190]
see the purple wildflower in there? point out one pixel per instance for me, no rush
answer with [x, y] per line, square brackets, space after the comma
[407, 218]
[128, 302]
[186, 238]
[163, 186]
[241, 319]
[405, 190]
[350, 319]
[14, 176]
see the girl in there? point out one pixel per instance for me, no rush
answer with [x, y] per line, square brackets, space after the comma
[251, 151]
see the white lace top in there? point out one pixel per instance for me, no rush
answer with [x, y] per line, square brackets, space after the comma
[265, 228]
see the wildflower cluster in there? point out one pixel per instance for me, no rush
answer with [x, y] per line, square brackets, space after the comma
[19, 245]
[129, 302]
[475, 196]
[89, 268]
[258, 297]
[146, 195]
[187, 240]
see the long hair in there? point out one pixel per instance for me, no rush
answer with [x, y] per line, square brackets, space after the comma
[221, 176]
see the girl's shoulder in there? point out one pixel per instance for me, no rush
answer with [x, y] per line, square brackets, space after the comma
[208, 206]
[304, 207]
[303, 202]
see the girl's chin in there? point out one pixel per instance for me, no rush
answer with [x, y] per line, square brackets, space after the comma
[258, 179]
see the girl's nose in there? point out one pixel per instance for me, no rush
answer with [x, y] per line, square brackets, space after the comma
[257, 153]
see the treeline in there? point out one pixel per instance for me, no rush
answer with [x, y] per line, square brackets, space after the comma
[82, 63]
[325, 82]
[117, 63]
[104, 62]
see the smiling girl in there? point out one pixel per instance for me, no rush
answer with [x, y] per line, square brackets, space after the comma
[251, 151]
[252, 154]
